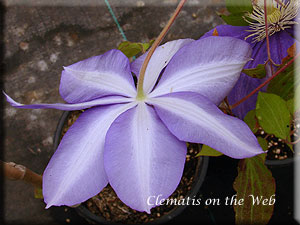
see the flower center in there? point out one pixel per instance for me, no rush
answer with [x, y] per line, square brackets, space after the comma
[140, 97]
[280, 16]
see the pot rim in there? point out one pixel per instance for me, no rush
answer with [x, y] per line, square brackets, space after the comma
[83, 211]
[283, 162]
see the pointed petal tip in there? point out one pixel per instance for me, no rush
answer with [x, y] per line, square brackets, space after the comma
[260, 151]
[10, 100]
[256, 150]
[250, 155]
[68, 69]
[48, 205]
[146, 208]
[52, 203]
[148, 211]
[6, 96]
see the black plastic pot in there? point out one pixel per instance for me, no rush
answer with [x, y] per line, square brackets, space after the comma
[279, 163]
[274, 163]
[200, 173]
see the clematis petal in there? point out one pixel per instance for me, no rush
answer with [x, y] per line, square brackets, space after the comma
[209, 66]
[192, 117]
[76, 171]
[146, 163]
[70, 107]
[279, 44]
[243, 87]
[158, 61]
[107, 74]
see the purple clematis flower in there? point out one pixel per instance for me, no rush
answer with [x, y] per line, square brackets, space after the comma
[281, 19]
[137, 145]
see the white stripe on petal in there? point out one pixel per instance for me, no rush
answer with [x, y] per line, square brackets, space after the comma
[210, 66]
[192, 117]
[76, 172]
[142, 158]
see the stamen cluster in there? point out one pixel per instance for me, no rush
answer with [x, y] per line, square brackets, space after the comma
[280, 16]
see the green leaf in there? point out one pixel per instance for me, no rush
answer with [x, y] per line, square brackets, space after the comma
[237, 10]
[146, 46]
[258, 72]
[208, 151]
[38, 193]
[284, 84]
[251, 121]
[291, 105]
[287, 81]
[273, 115]
[254, 179]
[235, 19]
[238, 6]
[263, 143]
[131, 49]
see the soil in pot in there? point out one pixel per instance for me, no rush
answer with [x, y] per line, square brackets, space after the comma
[278, 149]
[108, 206]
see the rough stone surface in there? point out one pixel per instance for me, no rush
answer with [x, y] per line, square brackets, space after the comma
[38, 42]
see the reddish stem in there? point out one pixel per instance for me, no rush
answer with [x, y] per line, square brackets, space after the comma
[266, 82]
[291, 142]
[154, 46]
[266, 28]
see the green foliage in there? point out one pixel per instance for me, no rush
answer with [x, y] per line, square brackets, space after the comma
[237, 9]
[251, 121]
[131, 49]
[273, 114]
[235, 19]
[291, 105]
[285, 83]
[238, 6]
[208, 151]
[258, 72]
[254, 178]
